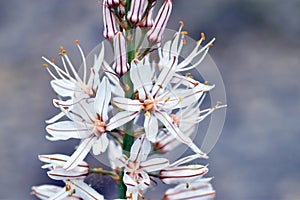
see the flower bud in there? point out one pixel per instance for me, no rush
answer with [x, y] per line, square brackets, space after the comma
[155, 33]
[109, 22]
[148, 21]
[120, 65]
[136, 11]
[113, 3]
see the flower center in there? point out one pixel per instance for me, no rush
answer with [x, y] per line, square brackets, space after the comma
[99, 127]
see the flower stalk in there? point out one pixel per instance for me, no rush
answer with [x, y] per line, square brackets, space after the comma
[138, 110]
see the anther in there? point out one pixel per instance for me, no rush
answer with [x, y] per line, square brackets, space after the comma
[205, 82]
[45, 65]
[181, 23]
[203, 36]
[76, 42]
[219, 102]
[184, 32]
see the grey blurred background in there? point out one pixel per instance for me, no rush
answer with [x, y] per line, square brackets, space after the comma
[257, 52]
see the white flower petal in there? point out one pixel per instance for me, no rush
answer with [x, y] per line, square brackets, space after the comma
[114, 154]
[65, 130]
[45, 191]
[127, 104]
[151, 127]
[140, 150]
[174, 130]
[100, 145]
[102, 98]
[200, 190]
[63, 87]
[81, 152]
[183, 174]
[85, 191]
[154, 164]
[120, 119]
[62, 174]
[55, 118]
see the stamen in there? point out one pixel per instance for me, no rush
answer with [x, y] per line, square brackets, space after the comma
[203, 36]
[76, 42]
[184, 32]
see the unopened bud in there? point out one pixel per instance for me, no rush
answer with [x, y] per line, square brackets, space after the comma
[136, 11]
[120, 57]
[109, 22]
[155, 33]
[148, 21]
[113, 3]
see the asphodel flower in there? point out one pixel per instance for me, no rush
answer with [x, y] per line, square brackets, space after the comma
[68, 83]
[90, 123]
[156, 101]
[136, 167]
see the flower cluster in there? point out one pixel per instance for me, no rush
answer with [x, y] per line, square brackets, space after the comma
[139, 107]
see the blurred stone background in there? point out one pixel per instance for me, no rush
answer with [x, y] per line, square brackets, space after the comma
[257, 52]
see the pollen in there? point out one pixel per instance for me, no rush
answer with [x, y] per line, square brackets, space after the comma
[180, 99]
[184, 32]
[68, 188]
[203, 36]
[147, 114]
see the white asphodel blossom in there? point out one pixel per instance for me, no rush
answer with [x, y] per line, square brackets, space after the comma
[74, 189]
[90, 123]
[199, 190]
[68, 84]
[157, 100]
[186, 120]
[136, 167]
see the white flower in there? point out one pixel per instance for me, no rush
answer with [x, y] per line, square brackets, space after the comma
[68, 83]
[171, 50]
[56, 163]
[90, 123]
[188, 173]
[136, 166]
[74, 189]
[186, 120]
[200, 190]
[158, 100]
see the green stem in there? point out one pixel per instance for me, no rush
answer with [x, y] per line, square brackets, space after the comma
[129, 93]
